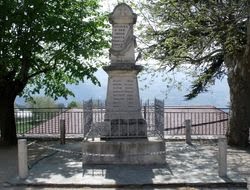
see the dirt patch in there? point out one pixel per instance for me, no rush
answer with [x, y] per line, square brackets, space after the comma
[8, 163]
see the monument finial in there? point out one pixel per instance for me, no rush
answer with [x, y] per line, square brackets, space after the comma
[123, 41]
[122, 14]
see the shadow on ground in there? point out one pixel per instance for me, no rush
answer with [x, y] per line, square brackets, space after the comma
[55, 164]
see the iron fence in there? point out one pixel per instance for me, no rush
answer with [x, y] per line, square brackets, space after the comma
[205, 120]
[47, 121]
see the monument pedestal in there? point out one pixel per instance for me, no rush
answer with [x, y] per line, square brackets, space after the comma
[123, 109]
[136, 151]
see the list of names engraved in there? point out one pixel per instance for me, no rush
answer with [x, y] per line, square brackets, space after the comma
[124, 93]
[119, 35]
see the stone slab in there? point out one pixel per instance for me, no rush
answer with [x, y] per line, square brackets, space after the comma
[129, 128]
[132, 152]
[123, 128]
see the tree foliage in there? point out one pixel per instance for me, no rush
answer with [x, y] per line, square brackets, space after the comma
[48, 44]
[45, 44]
[41, 102]
[74, 104]
[196, 34]
[209, 39]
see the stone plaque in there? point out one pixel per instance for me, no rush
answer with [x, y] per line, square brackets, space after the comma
[120, 32]
[124, 91]
[123, 95]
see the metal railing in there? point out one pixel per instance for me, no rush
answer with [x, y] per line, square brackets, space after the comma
[47, 121]
[205, 121]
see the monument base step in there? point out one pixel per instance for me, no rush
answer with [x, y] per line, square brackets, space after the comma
[122, 151]
[111, 138]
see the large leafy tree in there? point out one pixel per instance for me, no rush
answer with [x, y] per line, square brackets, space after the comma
[209, 38]
[45, 44]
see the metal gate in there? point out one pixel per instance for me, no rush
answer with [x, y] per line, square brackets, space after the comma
[159, 117]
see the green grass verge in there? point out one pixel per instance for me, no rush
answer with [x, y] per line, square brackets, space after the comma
[23, 127]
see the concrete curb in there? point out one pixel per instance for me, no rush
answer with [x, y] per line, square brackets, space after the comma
[134, 186]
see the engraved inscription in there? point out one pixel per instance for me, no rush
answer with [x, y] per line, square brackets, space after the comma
[120, 32]
[124, 93]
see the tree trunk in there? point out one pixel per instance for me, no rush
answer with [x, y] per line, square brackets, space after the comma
[7, 117]
[239, 83]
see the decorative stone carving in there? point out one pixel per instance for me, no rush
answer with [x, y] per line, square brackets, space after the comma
[123, 39]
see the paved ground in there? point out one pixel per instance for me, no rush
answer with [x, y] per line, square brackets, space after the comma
[185, 164]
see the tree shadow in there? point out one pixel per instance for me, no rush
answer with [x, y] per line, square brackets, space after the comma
[128, 174]
[58, 165]
[184, 163]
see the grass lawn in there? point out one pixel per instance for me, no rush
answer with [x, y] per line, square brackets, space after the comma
[22, 127]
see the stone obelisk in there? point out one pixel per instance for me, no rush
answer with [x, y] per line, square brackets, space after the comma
[123, 117]
[123, 108]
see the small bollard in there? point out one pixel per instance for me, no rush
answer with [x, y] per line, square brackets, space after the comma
[188, 131]
[22, 159]
[62, 131]
[222, 157]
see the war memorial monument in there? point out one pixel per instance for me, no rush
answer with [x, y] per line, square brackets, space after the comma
[124, 138]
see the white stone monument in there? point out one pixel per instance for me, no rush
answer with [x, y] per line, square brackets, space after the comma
[123, 107]
[125, 141]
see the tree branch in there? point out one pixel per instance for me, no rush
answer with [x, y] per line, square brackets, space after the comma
[47, 66]
[41, 71]
[192, 60]
[248, 25]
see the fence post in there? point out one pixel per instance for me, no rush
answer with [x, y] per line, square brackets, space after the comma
[144, 111]
[222, 157]
[188, 131]
[62, 131]
[22, 158]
